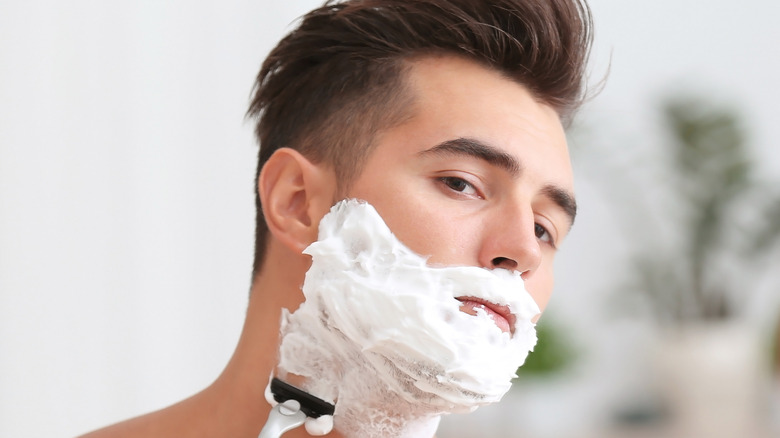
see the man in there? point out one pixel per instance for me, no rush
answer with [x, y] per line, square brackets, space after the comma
[445, 116]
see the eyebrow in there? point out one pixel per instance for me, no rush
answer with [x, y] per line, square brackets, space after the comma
[496, 157]
[477, 149]
[562, 199]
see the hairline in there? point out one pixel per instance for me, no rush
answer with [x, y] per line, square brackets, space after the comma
[411, 96]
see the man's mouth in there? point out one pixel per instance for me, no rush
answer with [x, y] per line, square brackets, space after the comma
[499, 314]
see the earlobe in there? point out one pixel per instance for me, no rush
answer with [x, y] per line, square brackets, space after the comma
[295, 193]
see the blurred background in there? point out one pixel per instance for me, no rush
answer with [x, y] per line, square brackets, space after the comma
[126, 214]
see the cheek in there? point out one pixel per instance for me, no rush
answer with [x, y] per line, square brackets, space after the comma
[424, 222]
[431, 233]
[540, 285]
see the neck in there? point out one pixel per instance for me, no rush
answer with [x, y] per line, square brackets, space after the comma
[275, 288]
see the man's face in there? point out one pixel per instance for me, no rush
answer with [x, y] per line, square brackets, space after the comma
[479, 175]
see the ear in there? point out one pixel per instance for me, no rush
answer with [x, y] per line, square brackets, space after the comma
[295, 193]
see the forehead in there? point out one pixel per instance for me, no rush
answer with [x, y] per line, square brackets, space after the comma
[458, 98]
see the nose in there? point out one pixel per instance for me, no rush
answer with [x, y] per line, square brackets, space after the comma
[511, 243]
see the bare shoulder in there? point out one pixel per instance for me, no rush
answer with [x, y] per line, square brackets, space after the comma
[183, 419]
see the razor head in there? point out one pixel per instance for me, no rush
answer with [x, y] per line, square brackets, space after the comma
[312, 406]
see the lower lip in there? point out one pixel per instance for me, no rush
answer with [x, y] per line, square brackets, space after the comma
[471, 307]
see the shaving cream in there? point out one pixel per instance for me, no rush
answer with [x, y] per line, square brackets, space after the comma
[381, 334]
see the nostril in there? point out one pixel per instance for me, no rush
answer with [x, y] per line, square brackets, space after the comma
[503, 262]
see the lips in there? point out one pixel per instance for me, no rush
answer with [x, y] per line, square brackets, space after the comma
[499, 314]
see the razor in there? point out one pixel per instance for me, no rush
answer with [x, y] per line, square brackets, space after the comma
[294, 406]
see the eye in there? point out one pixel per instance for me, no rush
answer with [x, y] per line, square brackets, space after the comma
[459, 185]
[542, 234]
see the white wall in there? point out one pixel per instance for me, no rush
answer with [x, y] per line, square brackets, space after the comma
[126, 169]
[126, 206]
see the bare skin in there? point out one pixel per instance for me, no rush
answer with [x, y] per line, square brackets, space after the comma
[500, 201]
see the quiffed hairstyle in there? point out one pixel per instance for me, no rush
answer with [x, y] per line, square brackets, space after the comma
[331, 84]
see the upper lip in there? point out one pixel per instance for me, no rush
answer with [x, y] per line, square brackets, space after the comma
[502, 310]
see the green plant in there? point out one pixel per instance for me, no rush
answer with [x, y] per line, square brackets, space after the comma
[552, 354]
[720, 220]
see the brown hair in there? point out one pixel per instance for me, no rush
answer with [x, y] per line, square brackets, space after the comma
[333, 82]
